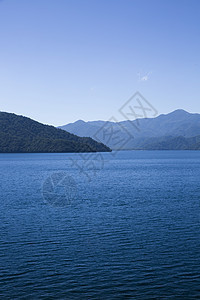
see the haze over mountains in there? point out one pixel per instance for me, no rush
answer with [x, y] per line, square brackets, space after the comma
[19, 134]
[178, 130]
[174, 131]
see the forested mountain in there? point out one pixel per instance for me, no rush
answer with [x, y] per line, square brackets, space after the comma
[21, 134]
[168, 143]
[139, 133]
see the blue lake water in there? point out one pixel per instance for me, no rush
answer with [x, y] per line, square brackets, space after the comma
[100, 227]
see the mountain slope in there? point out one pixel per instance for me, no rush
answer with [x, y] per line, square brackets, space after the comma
[169, 143]
[21, 134]
[85, 128]
[175, 124]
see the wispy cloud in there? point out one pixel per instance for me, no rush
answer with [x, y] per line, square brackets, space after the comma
[143, 76]
[93, 89]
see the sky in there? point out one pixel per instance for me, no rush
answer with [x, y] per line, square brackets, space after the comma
[65, 60]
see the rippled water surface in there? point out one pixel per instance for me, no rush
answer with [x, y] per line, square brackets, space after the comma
[123, 228]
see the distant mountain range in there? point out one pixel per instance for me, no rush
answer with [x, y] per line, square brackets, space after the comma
[20, 134]
[174, 131]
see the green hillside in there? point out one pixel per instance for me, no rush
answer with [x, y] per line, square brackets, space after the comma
[19, 134]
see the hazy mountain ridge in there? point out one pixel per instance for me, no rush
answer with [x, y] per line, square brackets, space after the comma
[22, 134]
[168, 143]
[178, 123]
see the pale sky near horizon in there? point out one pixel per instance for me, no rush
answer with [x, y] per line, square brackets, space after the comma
[82, 59]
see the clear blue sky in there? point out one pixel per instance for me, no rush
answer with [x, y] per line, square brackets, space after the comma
[64, 60]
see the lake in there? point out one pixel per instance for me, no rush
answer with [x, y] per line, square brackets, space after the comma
[100, 226]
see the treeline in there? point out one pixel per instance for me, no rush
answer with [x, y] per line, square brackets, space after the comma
[20, 134]
[170, 143]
